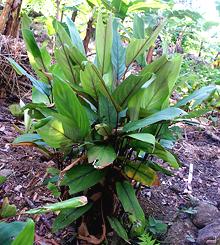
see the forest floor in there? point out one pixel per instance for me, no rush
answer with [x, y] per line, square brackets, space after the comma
[26, 170]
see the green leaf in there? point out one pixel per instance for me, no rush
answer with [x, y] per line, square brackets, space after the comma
[9, 232]
[118, 228]
[101, 156]
[27, 138]
[157, 227]
[93, 83]
[145, 137]
[118, 53]
[156, 167]
[156, 96]
[104, 44]
[69, 106]
[68, 216]
[40, 86]
[74, 34]
[82, 177]
[167, 114]
[32, 46]
[121, 8]
[159, 151]
[147, 5]
[25, 21]
[103, 129]
[2, 179]
[54, 189]
[138, 46]
[74, 202]
[128, 88]
[139, 33]
[128, 199]
[146, 239]
[107, 112]
[141, 173]
[198, 96]
[38, 57]
[7, 210]
[67, 54]
[54, 134]
[26, 236]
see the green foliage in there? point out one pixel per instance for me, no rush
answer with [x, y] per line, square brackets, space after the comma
[17, 233]
[146, 238]
[105, 121]
[156, 227]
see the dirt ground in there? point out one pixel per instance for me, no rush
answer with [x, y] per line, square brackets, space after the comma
[26, 170]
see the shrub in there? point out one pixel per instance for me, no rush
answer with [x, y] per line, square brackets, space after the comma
[102, 124]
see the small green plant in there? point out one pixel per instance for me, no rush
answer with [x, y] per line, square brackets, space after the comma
[146, 239]
[156, 226]
[102, 124]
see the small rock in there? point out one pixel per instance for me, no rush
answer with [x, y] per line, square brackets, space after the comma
[206, 214]
[210, 234]
[5, 172]
[180, 231]
[217, 163]
[18, 188]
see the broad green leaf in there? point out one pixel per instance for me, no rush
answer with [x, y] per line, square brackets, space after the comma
[54, 189]
[139, 33]
[138, 27]
[81, 177]
[67, 54]
[103, 129]
[120, 7]
[158, 151]
[94, 84]
[74, 202]
[104, 44]
[40, 86]
[69, 106]
[156, 96]
[27, 138]
[128, 199]
[36, 55]
[145, 137]
[74, 34]
[101, 156]
[32, 46]
[107, 112]
[7, 210]
[138, 46]
[147, 5]
[26, 236]
[198, 96]
[118, 53]
[141, 173]
[25, 21]
[128, 88]
[9, 231]
[64, 67]
[68, 216]
[53, 133]
[156, 167]
[167, 114]
[118, 228]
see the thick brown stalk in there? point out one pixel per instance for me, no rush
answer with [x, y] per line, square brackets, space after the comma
[89, 31]
[149, 58]
[10, 18]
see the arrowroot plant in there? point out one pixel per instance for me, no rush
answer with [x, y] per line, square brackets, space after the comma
[102, 125]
